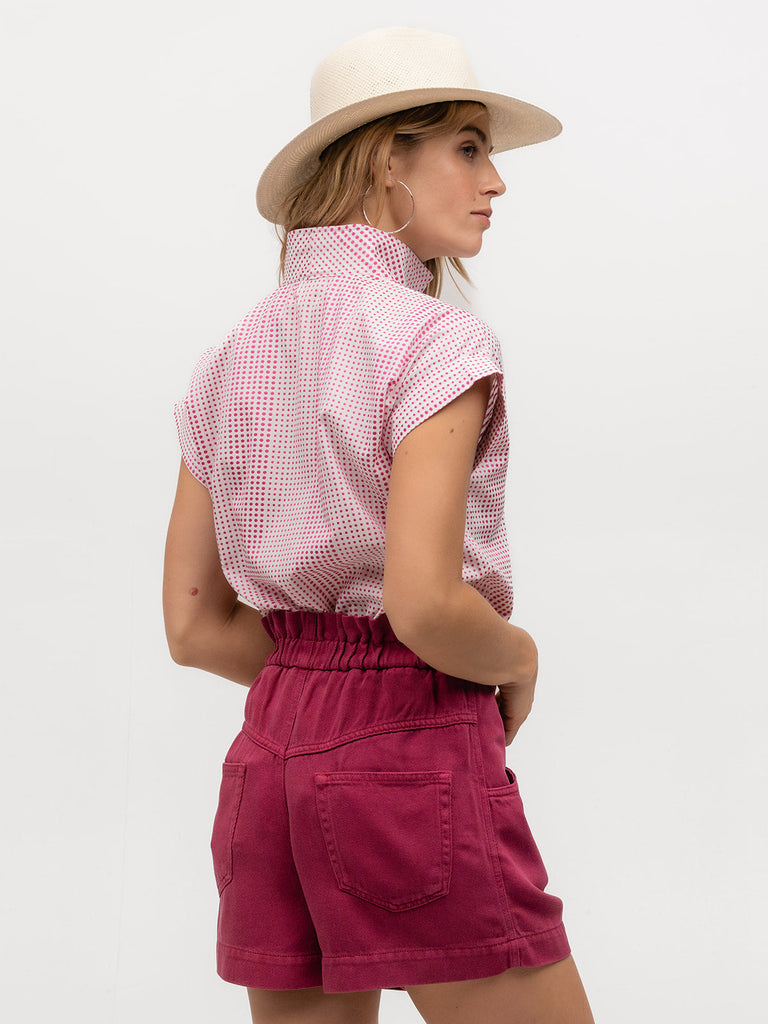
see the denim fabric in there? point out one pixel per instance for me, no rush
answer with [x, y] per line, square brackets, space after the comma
[369, 834]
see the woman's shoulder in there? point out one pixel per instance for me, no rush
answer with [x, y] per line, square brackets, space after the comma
[431, 317]
[393, 321]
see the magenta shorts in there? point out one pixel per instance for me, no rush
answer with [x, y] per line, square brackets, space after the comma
[369, 834]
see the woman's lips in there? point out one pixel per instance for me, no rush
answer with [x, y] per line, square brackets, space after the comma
[484, 215]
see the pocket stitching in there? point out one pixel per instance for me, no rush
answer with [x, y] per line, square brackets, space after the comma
[440, 782]
[237, 772]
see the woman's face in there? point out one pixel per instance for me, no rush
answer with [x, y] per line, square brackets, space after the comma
[453, 182]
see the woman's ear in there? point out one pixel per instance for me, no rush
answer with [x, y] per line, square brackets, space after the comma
[397, 166]
[389, 178]
[376, 168]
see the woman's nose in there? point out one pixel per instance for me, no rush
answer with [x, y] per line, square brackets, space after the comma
[493, 183]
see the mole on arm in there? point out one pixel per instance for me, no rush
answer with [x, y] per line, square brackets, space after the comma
[193, 591]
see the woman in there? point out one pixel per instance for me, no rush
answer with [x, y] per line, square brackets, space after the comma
[344, 455]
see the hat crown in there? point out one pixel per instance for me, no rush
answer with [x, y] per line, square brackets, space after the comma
[388, 61]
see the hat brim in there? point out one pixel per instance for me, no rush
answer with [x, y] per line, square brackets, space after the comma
[514, 123]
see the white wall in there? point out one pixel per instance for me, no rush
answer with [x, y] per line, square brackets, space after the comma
[625, 273]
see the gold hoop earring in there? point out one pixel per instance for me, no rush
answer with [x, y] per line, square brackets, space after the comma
[413, 209]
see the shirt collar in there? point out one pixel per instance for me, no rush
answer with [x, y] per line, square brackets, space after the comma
[354, 250]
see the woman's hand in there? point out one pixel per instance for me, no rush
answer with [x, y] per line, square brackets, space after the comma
[515, 699]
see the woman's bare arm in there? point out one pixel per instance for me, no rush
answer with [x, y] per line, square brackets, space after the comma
[442, 619]
[206, 626]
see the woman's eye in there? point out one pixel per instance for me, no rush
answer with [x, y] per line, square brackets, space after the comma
[469, 150]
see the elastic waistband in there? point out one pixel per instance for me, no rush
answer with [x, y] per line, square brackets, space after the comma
[330, 641]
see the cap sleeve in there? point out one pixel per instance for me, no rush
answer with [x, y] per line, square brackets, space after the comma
[197, 415]
[449, 358]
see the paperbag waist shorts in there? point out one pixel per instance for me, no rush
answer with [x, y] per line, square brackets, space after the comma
[368, 833]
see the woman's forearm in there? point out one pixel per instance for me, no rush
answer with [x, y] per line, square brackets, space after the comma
[234, 646]
[206, 625]
[460, 633]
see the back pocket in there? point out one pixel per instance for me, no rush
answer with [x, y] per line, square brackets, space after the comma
[230, 796]
[388, 834]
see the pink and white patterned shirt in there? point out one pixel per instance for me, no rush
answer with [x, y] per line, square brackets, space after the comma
[292, 423]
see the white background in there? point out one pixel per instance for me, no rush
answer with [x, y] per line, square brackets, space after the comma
[625, 272]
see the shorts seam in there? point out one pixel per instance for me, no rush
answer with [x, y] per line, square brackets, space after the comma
[380, 729]
[398, 954]
[383, 728]
[262, 741]
[255, 954]
[492, 844]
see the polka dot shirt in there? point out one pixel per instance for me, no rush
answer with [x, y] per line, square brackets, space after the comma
[293, 421]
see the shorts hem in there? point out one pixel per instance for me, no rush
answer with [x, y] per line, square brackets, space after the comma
[391, 970]
[403, 968]
[254, 969]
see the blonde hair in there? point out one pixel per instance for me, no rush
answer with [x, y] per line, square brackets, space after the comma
[357, 162]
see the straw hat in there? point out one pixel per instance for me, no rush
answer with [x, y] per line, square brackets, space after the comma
[380, 73]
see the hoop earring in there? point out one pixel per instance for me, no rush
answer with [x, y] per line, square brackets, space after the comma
[413, 209]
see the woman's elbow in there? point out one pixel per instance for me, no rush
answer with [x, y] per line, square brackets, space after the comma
[180, 648]
[413, 612]
[182, 636]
